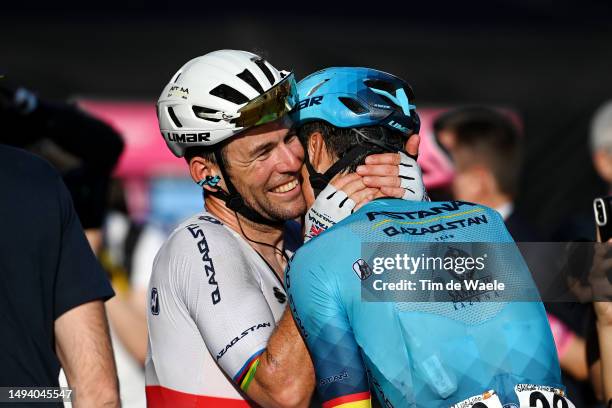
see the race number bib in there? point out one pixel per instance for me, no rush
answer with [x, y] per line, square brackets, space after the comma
[485, 400]
[541, 396]
[529, 396]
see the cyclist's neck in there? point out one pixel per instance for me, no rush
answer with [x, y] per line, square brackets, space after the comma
[267, 240]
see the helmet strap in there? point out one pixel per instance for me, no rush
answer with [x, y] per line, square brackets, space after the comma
[319, 181]
[233, 200]
[364, 138]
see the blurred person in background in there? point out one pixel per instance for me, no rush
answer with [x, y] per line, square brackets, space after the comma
[484, 146]
[52, 290]
[127, 254]
[603, 312]
[85, 150]
[601, 143]
[599, 339]
[220, 333]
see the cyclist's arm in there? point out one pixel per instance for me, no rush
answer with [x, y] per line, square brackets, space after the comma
[236, 322]
[341, 375]
[285, 376]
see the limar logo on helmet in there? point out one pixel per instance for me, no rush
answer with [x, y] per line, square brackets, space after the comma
[399, 127]
[187, 137]
[316, 100]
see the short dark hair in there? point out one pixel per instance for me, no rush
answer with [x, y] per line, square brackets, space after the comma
[208, 153]
[492, 136]
[340, 140]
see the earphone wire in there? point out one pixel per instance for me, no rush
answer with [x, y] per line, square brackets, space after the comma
[280, 251]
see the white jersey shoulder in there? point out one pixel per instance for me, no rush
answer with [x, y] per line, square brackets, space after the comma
[214, 304]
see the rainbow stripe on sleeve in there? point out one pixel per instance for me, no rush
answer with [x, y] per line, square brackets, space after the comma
[358, 400]
[247, 372]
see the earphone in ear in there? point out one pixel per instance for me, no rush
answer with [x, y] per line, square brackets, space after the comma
[211, 181]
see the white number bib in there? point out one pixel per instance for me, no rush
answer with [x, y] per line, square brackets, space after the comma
[541, 396]
[529, 396]
[487, 399]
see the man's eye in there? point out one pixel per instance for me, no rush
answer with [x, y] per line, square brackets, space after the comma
[264, 154]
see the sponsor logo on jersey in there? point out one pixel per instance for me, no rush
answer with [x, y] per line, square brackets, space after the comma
[209, 267]
[362, 269]
[471, 293]
[432, 229]
[437, 209]
[315, 230]
[241, 336]
[210, 219]
[320, 222]
[279, 295]
[154, 301]
[187, 137]
[381, 394]
[484, 400]
[296, 317]
[343, 375]
[455, 253]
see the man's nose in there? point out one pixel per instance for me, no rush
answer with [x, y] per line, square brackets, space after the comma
[290, 157]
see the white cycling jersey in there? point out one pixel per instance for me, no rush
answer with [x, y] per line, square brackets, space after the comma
[214, 304]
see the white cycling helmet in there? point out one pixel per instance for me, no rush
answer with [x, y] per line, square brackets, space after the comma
[218, 95]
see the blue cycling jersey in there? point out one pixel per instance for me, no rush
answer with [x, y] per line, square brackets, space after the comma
[415, 351]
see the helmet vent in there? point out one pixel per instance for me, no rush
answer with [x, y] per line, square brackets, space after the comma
[316, 87]
[382, 85]
[261, 63]
[229, 94]
[354, 105]
[248, 77]
[177, 77]
[202, 113]
[177, 122]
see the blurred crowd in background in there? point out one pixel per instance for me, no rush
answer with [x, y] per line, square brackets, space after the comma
[515, 119]
[471, 153]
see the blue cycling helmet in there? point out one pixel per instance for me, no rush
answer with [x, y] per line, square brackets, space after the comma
[351, 97]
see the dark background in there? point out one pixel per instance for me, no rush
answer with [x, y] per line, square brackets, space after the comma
[550, 62]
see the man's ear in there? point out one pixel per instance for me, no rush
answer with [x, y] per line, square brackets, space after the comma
[412, 145]
[315, 145]
[201, 168]
[319, 157]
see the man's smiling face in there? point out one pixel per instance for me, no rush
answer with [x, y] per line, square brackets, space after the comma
[264, 165]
